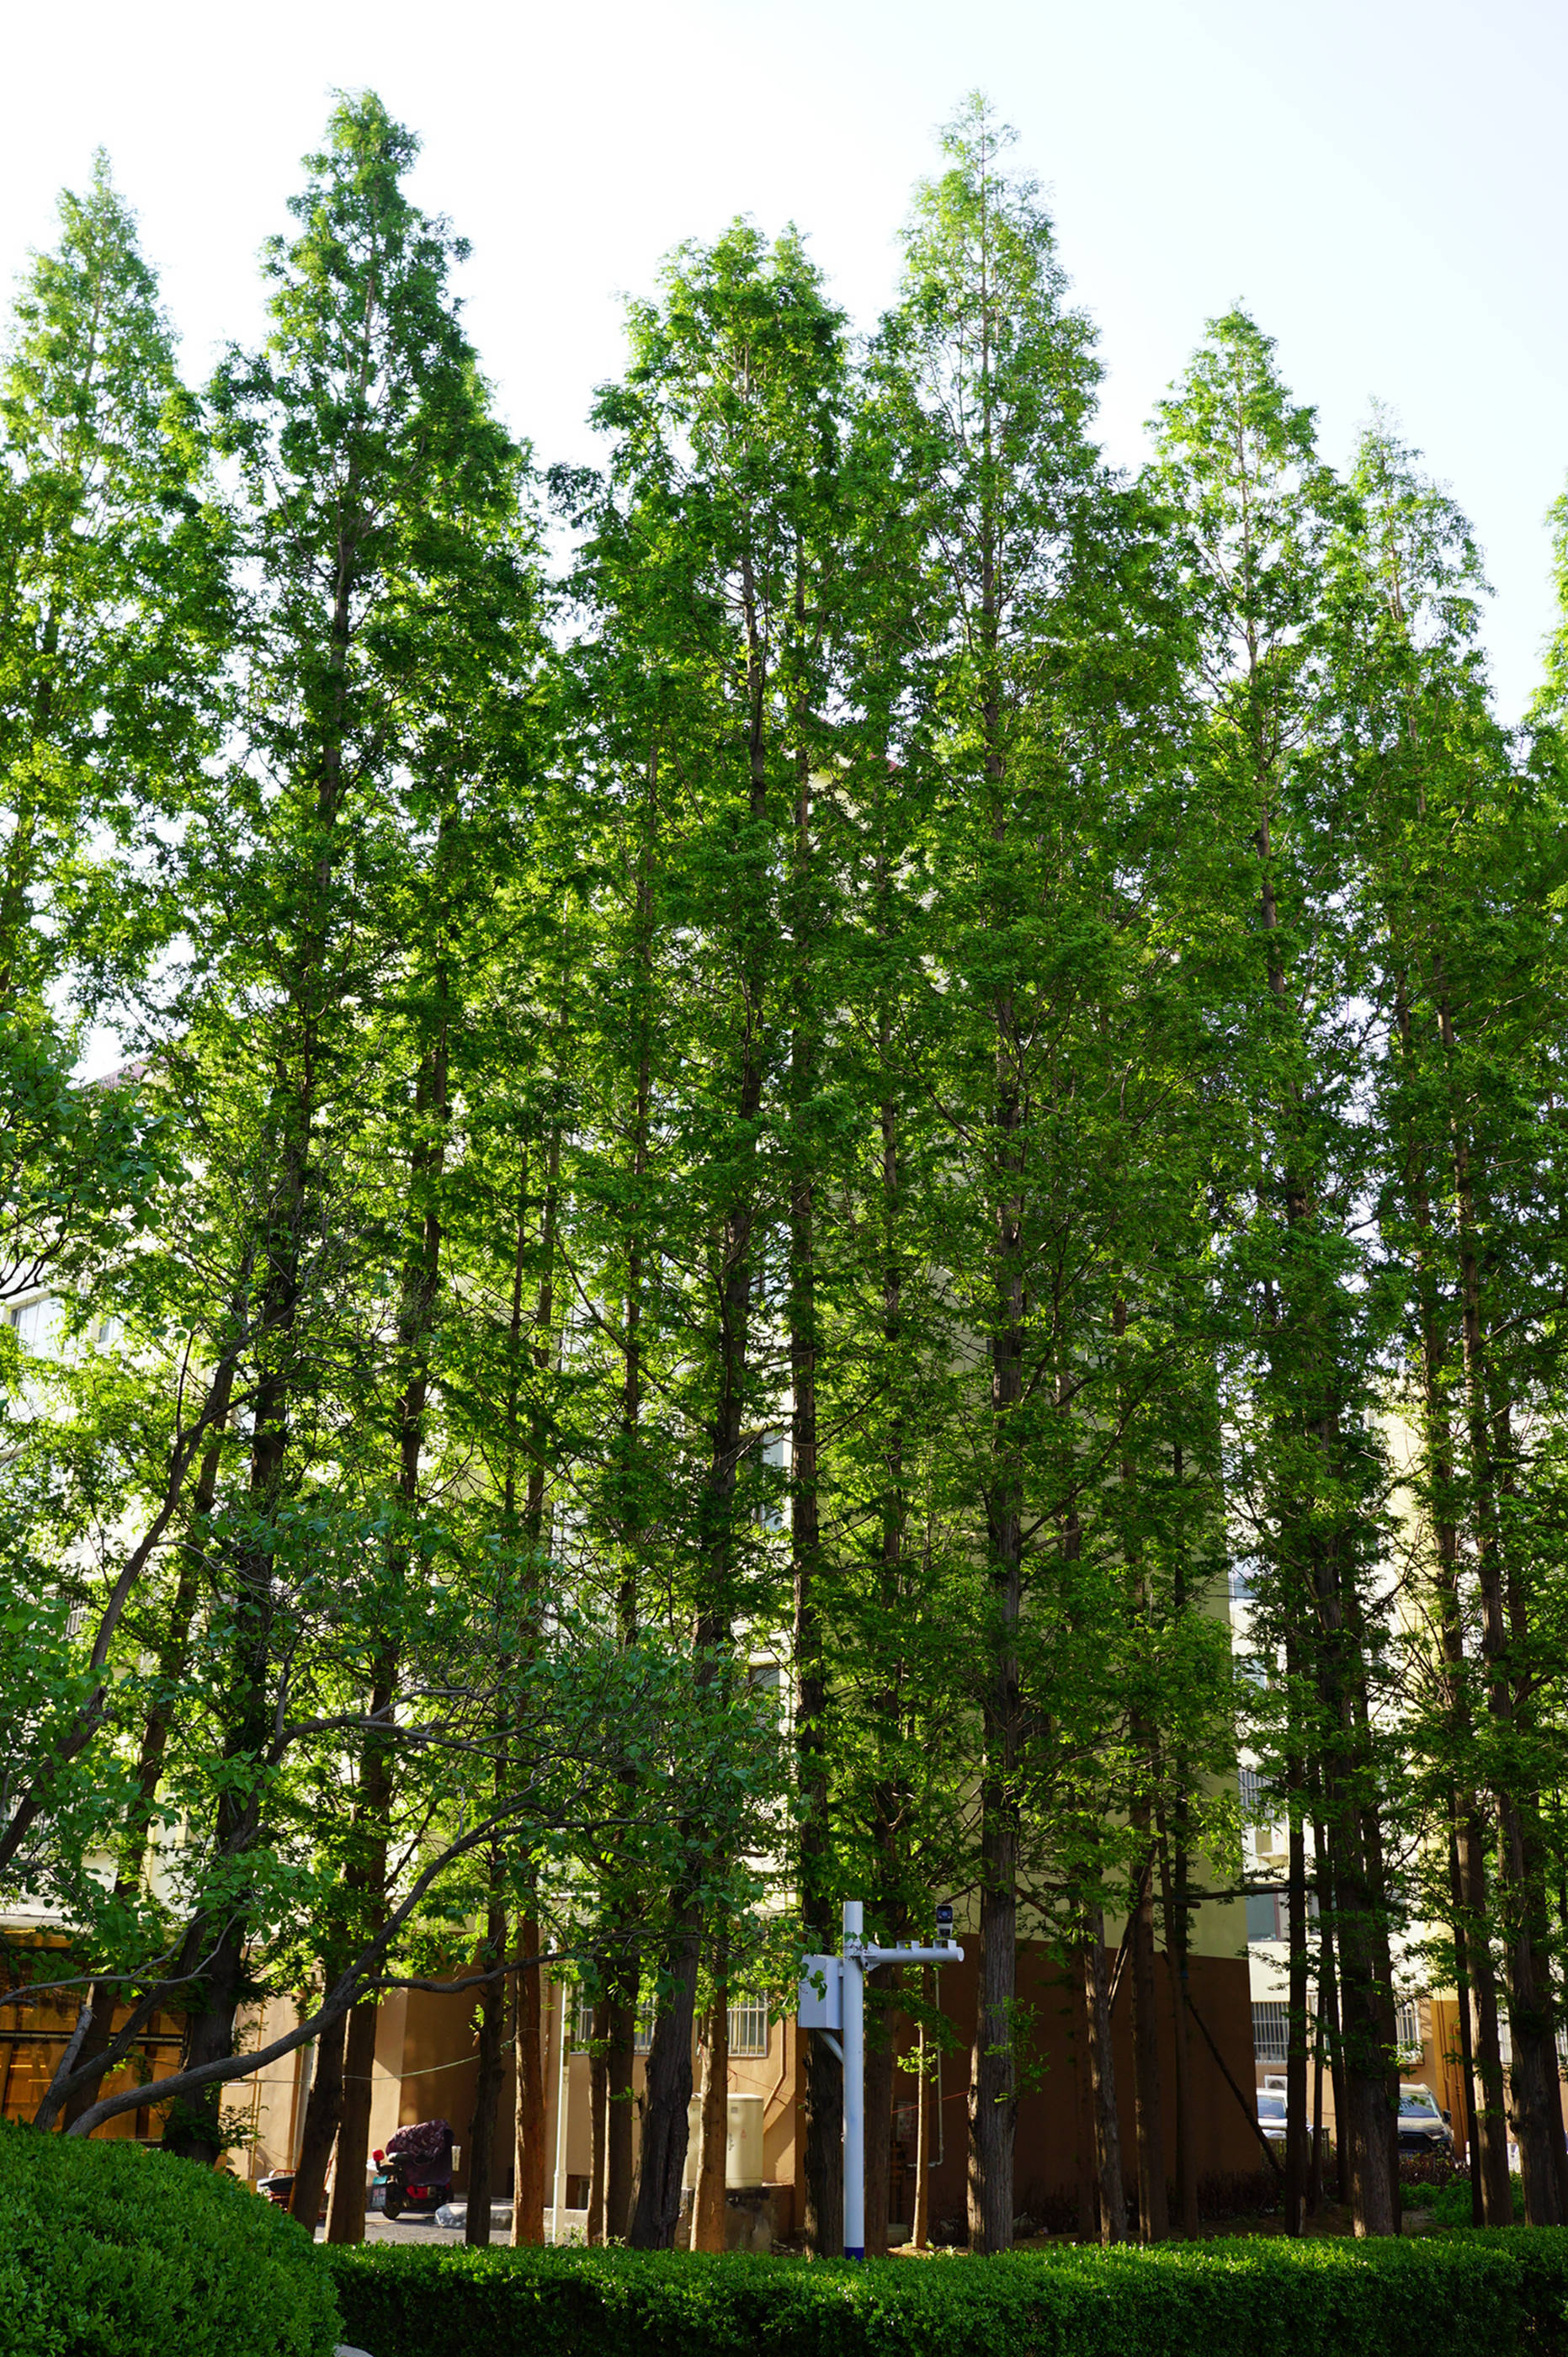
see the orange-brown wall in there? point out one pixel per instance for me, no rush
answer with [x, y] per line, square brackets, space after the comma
[1053, 2127]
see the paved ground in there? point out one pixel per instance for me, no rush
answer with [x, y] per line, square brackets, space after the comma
[403, 2230]
[425, 2230]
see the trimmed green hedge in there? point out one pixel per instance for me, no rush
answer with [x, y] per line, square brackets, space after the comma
[1454, 2296]
[107, 2250]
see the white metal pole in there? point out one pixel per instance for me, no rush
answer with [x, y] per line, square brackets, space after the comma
[854, 2082]
[563, 2092]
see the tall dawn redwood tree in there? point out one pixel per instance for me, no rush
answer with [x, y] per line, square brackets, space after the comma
[379, 495]
[708, 541]
[1459, 861]
[1239, 464]
[1033, 647]
[113, 617]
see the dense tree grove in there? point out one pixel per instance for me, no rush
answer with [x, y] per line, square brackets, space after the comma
[777, 1098]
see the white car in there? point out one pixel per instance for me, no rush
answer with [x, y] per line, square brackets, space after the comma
[1272, 2114]
[1422, 2126]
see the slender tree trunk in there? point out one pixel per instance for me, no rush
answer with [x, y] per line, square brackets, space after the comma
[1366, 2124]
[1532, 2077]
[1328, 2011]
[323, 2111]
[1153, 2206]
[1174, 1912]
[482, 2131]
[920, 2224]
[1297, 2160]
[173, 1657]
[1466, 2033]
[669, 2082]
[993, 2077]
[823, 2107]
[1148, 2106]
[879, 2076]
[195, 2131]
[668, 2093]
[708, 2195]
[599, 2121]
[622, 1964]
[1110, 2183]
[529, 2112]
[1490, 2186]
[619, 2121]
[1315, 2176]
[416, 1313]
[346, 2222]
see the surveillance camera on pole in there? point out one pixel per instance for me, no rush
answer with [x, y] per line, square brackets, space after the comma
[833, 2002]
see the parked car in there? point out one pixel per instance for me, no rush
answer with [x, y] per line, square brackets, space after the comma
[1424, 2127]
[1272, 2114]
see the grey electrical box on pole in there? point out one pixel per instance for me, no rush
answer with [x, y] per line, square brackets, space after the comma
[832, 2000]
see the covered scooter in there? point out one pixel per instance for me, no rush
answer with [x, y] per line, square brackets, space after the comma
[414, 2172]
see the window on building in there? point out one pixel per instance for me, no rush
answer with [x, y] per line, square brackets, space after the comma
[1252, 1790]
[583, 2024]
[766, 1680]
[1407, 2026]
[1238, 1585]
[1264, 1916]
[1270, 2030]
[773, 1511]
[37, 1324]
[748, 2026]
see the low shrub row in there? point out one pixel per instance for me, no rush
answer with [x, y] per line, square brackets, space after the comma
[1451, 2204]
[109, 2250]
[1459, 2295]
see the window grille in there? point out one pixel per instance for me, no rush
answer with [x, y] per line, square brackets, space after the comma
[1270, 2030]
[748, 2026]
[583, 2024]
[1251, 1791]
[1407, 2026]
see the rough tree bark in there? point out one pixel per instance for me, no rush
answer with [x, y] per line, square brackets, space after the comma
[1110, 2190]
[879, 2074]
[528, 2111]
[598, 2123]
[708, 2194]
[482, 2129]
[323, 2110]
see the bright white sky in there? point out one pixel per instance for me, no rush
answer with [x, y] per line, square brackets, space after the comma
[1382, 181]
